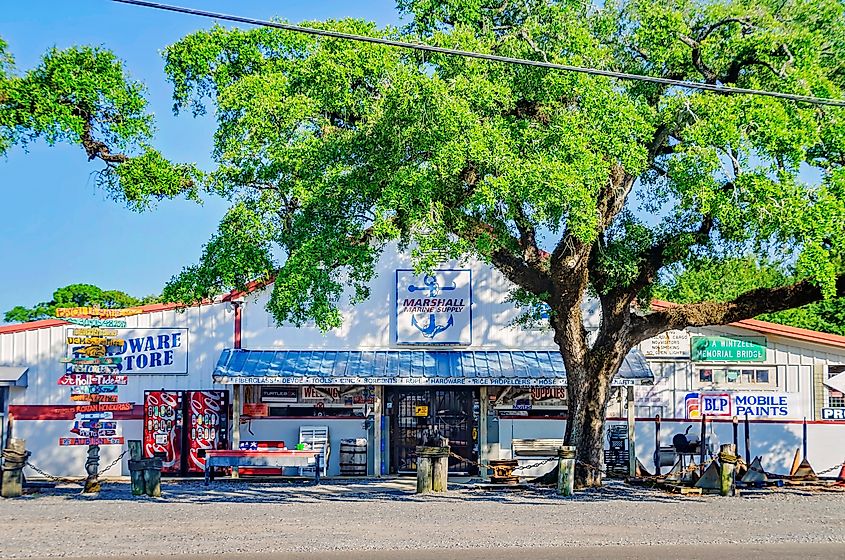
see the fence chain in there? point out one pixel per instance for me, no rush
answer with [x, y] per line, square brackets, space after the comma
[77, 482]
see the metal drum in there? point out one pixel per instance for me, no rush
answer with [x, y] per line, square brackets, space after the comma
[353, 457]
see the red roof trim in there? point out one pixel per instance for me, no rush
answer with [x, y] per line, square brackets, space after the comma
[150, 308]
[775, 329]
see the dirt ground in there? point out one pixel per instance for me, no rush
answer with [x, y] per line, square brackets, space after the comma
[235, 517]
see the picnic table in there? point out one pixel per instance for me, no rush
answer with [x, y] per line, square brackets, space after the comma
[260, 458]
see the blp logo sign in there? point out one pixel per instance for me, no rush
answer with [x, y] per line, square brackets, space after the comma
[710, 404]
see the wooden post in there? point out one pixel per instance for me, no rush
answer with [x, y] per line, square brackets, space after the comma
[483, 411]
[152, 480]
[632, 437]
[236, 423]
[14, 458]
[440, 472]
[424, 474]
[136, 474]
[92, 465]
[566, 470]
[736, 432]
[727, 461]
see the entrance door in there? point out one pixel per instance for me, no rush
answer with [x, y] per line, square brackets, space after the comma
[414, 410]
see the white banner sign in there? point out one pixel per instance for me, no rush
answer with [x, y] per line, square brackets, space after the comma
[670, 344]
[739, 403]
[434, 308]
[153, 351]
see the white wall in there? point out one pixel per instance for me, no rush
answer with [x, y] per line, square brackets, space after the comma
[371, 324]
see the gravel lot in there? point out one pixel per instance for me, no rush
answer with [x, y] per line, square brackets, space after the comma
[233, 517]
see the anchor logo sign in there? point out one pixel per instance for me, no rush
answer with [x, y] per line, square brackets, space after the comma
[431, 328]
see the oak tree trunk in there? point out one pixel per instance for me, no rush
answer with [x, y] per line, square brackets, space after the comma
[588, 394]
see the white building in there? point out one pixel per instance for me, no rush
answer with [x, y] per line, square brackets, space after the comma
[424, 350]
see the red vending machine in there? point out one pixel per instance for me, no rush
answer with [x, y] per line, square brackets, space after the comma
[177, 424]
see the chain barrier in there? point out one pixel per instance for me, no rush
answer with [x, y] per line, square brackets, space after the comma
[78, 482]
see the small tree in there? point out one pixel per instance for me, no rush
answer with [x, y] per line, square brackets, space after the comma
[75, 295]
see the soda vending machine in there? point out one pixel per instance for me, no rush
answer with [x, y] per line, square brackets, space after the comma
[177, 424]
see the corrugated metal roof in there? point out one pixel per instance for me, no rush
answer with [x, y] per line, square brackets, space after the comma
[408, 367]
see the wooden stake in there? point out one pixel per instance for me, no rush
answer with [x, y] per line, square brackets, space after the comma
[566, 470]
[136, 475]
[632, 438]
[424, 475]
[727, 463]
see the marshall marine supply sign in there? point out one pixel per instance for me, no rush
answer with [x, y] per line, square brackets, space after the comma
[435, 308]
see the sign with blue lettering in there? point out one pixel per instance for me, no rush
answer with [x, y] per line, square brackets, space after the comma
[740, 403]
[153, 351]
[435, 308]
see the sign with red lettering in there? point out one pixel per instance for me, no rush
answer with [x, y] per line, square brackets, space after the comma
[102, 407]
[68, 441]
[73, 379]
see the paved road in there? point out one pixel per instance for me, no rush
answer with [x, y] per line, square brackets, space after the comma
[386, 520]
[782, 551]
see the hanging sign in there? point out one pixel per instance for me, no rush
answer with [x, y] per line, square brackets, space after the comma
[327, 394]
[728, 349]
[434, 308]
[73, 379]
[67, 441]
[102, 360]
[421, 410]
[101, 407]
[670, 344]
[94, 332]
[93, 351]
[280, 394]
[94, 415]
[82, 368]
[94, 398]
[96, 322]
[256, 410]
[97, 312]
[107, 342]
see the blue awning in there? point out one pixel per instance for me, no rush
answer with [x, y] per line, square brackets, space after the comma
[408, 367]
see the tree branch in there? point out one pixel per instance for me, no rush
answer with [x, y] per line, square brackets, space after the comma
[745, 306]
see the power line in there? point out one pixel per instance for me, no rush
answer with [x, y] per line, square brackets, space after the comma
[483, 56]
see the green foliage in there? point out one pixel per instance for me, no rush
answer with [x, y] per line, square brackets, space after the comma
[75, 295]
[723, 280]
[83, 96]
[337, 148]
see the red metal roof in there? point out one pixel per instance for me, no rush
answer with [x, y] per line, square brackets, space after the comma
[766, 327]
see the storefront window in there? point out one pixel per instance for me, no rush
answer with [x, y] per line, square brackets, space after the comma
[835, 399]
[312, 400]
[728, 377]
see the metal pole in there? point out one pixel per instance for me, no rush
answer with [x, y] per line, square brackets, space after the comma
[236, 424]
[736, 433]
[657, 444]
[632, 435]
[701, 443]
[747, 442]
[483, 404]
[804, 439]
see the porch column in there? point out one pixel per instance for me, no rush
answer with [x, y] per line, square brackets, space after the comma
[632, 440]
[482, 431]
[378, 407]
[237, 399]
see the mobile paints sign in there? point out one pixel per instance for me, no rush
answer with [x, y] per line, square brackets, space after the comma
[753, 404]
[146, 351]
[435, 308]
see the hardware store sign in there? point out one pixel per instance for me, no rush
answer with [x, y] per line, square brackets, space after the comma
[154, 351]
[728, 349]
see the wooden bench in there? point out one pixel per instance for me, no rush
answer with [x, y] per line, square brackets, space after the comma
[260, 458]
[535, 447]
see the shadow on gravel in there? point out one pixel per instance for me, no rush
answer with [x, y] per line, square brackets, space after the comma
[358, 491]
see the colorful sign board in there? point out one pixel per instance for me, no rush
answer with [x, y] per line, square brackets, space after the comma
[119, 323]
[68, 441]
[102, 360]
[159, 351]
[728, 349]
[95, 415]
[97, 312]
[98, 340]
[421, 410]
[256, 410]
[93, 389]
[670, 344]
[435, 308]
[75, 379]
[106, 333]
[740, 403]
[83, 368]
[101, 407]
[94, 397]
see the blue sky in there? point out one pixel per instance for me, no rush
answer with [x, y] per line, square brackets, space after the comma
[57, 228]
